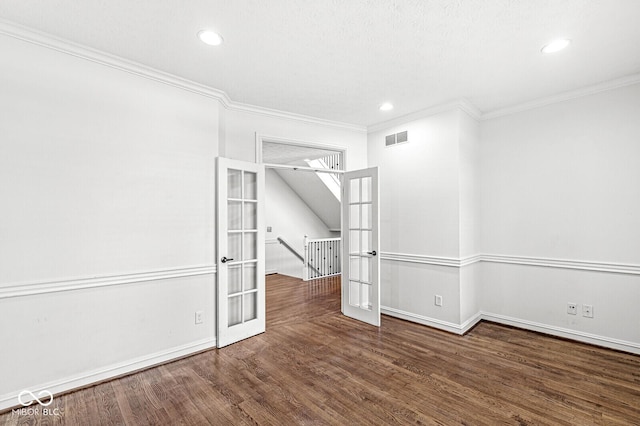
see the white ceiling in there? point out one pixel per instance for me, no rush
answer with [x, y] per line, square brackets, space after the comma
[339, 60]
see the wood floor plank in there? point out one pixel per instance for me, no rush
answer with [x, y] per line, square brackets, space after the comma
[316, 366]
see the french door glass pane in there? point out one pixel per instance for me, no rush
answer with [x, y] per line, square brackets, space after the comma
[354, 268]
[366, 242]
[366, 189]
[354, 241]
[235, 279]
[250, 185]
[234, 215]
[354, 216]
[354, 293]
[250, 246]
[365, 264]
[234, 183]
[250, 215]
[365, 294]
[250, 306]
[235, 310]
[354, 193]
[250, 276]
[366, 216]
[235, 246]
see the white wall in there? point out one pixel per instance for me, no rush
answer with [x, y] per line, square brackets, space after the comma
[106, 220]
[241, 127]
[291, 219]
[511, 218]
[560, 186]
[107, 216]
[420, 201]
[469, 234]
[419, 195]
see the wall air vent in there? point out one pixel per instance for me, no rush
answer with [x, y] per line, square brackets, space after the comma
[396, 138]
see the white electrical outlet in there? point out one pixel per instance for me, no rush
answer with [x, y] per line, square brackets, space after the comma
[572, 308]
[587, 311]
[199, 317]
[438, 300]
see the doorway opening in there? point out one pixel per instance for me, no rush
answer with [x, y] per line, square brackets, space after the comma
[303, 187]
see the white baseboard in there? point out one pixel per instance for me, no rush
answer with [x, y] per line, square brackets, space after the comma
[92, 377]
[580, 336]
[420, 319]
[470, 323]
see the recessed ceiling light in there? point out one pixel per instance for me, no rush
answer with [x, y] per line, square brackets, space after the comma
[556, 45]
[386, 107]
[209, 37]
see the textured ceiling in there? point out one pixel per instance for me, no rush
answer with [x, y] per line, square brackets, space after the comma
[339, 60]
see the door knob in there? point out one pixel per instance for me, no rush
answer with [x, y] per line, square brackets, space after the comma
[372, 253]
[225, 260]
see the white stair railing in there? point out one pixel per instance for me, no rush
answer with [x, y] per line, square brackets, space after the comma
[322, 258]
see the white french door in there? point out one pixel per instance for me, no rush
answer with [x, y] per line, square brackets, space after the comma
[360, 264]
[240, 267]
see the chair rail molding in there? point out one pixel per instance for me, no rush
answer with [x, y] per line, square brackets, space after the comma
[70, 284]
[455, 262]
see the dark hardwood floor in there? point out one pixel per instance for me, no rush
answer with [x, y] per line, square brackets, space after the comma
[315, 366]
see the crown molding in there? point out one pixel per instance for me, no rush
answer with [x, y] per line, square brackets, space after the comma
[562, 97]
[49, 41]
[80, 51]
[237, 106]
[462, 105]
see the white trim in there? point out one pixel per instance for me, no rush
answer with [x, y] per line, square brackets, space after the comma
[593, 339]
[421, 319]
[83, 52]
[42, 287]
[584, 265]
[562, 97]
[418, 258]
[581, 336]
[49, 41]
[462, 105]
[302, 168]
[470, 323]
[261, 139]
[92, 377]
[269, 112]
[322, 240]
[454, 262]
[272, 241]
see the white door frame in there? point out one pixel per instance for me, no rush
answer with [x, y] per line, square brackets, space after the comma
[260, 139]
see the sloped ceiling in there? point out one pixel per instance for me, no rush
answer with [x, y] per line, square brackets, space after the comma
[339, 60]
[315, 194]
